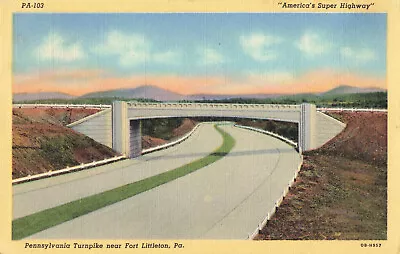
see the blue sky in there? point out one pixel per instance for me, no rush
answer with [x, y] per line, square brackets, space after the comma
[198, 52]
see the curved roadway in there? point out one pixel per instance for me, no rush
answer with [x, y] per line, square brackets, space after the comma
[39, 195]
[226, 199]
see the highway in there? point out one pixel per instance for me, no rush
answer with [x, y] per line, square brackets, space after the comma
[39, 195]
[224, 200]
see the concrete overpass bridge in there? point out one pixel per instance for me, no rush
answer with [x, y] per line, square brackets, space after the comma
[119, 127]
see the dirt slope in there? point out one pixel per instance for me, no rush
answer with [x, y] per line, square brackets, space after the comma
[149, 141]
[186, 126]
[286, 129]
[60, 116]
[364, 138]
[41, 143]
[341, 191]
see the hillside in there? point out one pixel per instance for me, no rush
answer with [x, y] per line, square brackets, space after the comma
[169, 133]
[344, 89]
[41, 142]
[341, 190]
[286, 129]
[160, 131]
[58, 116]
[148, 92]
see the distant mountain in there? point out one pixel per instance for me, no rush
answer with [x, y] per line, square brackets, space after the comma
[148, 92]
[344, 89]
[17, 97]
[160, 94]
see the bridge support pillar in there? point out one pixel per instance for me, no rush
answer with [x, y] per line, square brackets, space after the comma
[126, 134]
[135, 139]
[120, 127]
[307, 127]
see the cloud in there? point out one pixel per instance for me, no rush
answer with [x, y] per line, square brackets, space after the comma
[210, 56]
[55, 47]
[119, 43]
[257, 45]
[359, 56]
[168, 57]
[132, 49]
[312, 44]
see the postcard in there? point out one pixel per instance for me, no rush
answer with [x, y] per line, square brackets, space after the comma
[199, 126]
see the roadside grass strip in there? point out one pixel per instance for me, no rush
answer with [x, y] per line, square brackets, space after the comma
[31, 224]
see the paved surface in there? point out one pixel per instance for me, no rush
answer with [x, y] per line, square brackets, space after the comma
[39, 195]
[226, 199]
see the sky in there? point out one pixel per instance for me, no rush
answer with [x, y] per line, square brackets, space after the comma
[189, 53]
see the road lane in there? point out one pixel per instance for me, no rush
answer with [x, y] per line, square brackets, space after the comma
[38, 195]
[226, 199]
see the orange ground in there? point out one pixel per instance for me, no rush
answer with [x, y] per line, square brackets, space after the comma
[41, 142]
[341, 191]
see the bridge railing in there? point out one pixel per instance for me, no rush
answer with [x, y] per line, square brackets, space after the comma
[353, 109]
[91, 106]
[212, 106]
[192, 105]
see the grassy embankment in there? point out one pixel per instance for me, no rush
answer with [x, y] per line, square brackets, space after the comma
[161, 127]
[40, 221]
[285, 129]
[42, 143]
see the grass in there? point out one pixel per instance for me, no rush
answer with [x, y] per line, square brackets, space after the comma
[59, 151]
[31, 224]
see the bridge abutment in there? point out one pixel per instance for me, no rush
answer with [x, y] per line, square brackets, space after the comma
[120, 127]
[307, 127]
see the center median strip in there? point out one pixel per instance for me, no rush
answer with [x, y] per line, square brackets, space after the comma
[31, 224]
